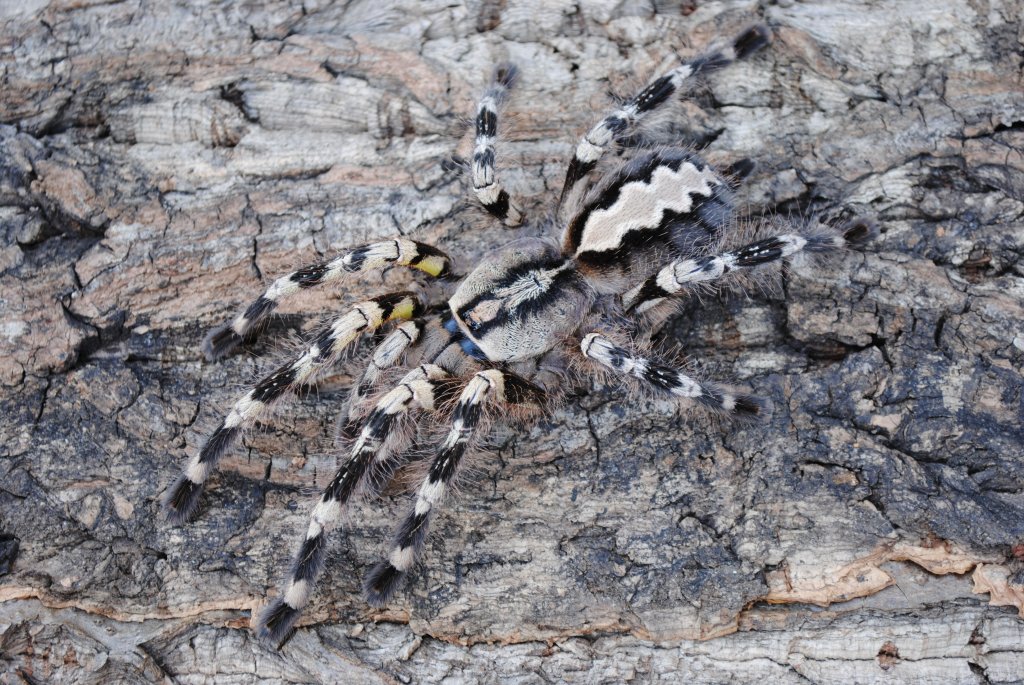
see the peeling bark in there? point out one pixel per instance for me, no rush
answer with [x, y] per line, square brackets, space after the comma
[158, 163]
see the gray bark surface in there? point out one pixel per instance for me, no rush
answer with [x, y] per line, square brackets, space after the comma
[159, 162]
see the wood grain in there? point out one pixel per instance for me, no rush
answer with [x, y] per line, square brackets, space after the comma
[159, 162]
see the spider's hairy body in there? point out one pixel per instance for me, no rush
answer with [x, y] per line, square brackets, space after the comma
[513, 304]
[638, 235]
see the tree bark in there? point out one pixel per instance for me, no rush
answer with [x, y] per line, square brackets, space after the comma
[160, 162]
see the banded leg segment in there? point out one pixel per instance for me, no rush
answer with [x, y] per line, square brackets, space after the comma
[422, 388]
[599, 139]
[386, 355]
[490, 385]
[182, 497]
[488, 191]
[669, 380]
[397, 252]
[675, 278]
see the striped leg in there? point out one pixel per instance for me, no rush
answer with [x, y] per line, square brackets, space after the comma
[386, 355]
[599, 139]
[683, 273]
[491, 385]
[488, 191]
[182, 497]
[667, 379]
[419, 389]
[398, 252]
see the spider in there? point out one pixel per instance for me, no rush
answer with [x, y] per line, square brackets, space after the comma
[641, 231]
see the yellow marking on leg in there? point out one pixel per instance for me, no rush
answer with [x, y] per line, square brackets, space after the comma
[403, 310]
[433, 265]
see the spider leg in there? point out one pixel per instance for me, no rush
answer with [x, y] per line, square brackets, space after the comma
[488, 386]
[386, 355]
[422, 388]
[182, 498]
[488, 191]
[398, 252]
[681, 274]
[429, 340]
[737, 172]
[665, 378]
[599, 139]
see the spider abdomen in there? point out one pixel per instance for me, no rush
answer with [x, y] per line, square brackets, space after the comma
[660, 204]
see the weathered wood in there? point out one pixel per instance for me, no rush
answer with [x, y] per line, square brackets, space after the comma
[160, 161]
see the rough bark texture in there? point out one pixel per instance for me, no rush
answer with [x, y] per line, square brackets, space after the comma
[160, 160]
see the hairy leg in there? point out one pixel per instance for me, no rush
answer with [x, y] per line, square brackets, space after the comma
[667, 379]
[421, 389]
[397, 252]
[182, 498]
[491, 386]
[680, 276]
[488, 191]
[599, 139]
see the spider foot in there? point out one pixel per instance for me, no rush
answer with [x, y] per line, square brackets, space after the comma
[381, 582]
[220, 342]
[859, 231]
[751, 40]
[276, 622]
[181, 500]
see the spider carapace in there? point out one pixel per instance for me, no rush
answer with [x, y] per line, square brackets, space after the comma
[640, 231]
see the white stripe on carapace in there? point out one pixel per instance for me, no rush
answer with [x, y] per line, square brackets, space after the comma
[529, 286]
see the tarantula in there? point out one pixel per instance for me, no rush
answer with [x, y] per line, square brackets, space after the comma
[640, 233]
